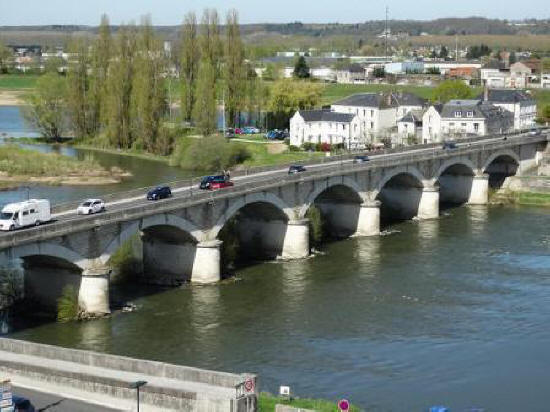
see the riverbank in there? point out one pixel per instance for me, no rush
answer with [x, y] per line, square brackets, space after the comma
[267, 402]
[20, 166]
[12, 98]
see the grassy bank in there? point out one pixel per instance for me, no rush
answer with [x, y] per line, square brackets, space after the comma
[522, 198]
[267, 403]
[23, 165]
[18, 81]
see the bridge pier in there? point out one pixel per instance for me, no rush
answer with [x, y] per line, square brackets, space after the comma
[207, 263]
[296, 240]
[428, 208]
[368, 223]
[479, 195]
[93, 295]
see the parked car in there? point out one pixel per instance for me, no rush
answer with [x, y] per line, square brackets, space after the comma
[239, 131]
[160, 192]
[91, 206]
[360, 159]
[215, 182]
[449, 145]
[251, 130]
[272, 134]
[535, 131]
[32, 212]
[292, 170]
[229, 132]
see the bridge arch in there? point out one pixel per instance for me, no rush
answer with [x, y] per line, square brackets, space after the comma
[52, 250]
[410, 171]
[169, 220]
[237, 205]
[461, 161]
[501, 153]
[332, 182]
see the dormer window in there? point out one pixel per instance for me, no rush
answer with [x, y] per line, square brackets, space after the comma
[470, 114]
[458, 114]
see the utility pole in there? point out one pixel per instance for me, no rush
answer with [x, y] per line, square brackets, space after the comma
[456, 47]
[223, 110]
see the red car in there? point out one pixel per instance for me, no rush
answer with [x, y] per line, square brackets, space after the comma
[215, 182]
[239, 131]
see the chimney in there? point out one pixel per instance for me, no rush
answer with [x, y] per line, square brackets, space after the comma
[389, 99]
[485, 92]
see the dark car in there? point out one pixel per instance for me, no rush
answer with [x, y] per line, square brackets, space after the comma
[449, 145]
[22, 404]
[296, 169]
[360, 159]
[215, 182]
[160, 192]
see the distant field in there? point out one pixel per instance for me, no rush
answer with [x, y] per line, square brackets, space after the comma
[17, 81]
[510, 42]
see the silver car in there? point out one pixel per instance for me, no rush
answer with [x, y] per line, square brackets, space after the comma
[91, 206]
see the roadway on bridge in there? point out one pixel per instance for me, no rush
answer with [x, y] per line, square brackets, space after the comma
[183, 192]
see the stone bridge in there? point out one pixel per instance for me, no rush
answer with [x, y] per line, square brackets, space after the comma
[181, 239]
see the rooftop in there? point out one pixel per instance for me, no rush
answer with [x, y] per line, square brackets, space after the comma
[325, 116]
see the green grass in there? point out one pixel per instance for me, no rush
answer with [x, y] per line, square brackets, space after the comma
[534, 199]
[17, 81]
[266, 403]
[333, 92]
[260, 155]
[16, 161]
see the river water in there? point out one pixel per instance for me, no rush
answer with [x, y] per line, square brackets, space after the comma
[454, 311]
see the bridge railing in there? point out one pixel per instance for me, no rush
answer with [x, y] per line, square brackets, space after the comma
[195, 196]
[192, 182]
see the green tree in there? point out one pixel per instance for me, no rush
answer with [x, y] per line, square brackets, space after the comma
[210, 44]
[67, 305]
[46, 105]
[5, 56]
[443, 53]
[301, 69]
[234, 69]
[289, 95]
[451, 89]
[99, 63]
[189, 63]
[211, 154]
[148, 102]
[119, 85]
[204, 110]
[78, 90]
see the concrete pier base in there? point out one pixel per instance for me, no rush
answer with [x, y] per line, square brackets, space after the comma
[368, 222]
[428, 208]
[207, 263]
[479, 195]
[93, 295]
[296, 240]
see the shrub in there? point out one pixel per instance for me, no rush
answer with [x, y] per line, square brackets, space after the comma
[212, 153]
[308, 146]
[294, 148]
[67, 304]
[316, 226]
[325, 147]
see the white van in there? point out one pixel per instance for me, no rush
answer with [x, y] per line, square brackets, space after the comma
[29, 213]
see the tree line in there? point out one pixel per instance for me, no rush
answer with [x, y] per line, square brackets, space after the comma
[118, 85]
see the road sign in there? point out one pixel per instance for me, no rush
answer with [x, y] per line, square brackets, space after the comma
[249, 385]
[343, 405]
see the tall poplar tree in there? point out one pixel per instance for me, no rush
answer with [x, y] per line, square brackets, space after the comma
[119, 86]
[78, 90]
[204, 111]
[234, 70]
[189, 62]
[148, 101]
[99, 63]
[210, 44]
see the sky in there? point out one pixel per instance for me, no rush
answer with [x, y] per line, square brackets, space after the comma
[170, 12]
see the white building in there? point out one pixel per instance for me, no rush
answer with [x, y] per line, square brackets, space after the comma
[353, 74]
[495, 78]
[325, 126]
[460, 118]
[378, 112]
[518, 102]
[327, 74]
[410, 127]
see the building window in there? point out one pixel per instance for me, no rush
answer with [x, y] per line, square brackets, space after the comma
[476, 127]
[364, 113]
[458, 114]
[470, 114]
[372, 125]
[372, 113]
[463, 124]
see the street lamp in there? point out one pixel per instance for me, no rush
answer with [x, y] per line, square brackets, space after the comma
[137, 385]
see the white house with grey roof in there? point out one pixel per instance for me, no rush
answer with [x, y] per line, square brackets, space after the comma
[378, 112]
[461, 118]
[410, 127]
[518, 102]
[325, 126]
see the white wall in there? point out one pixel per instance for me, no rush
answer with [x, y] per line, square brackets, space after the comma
[431, 126]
